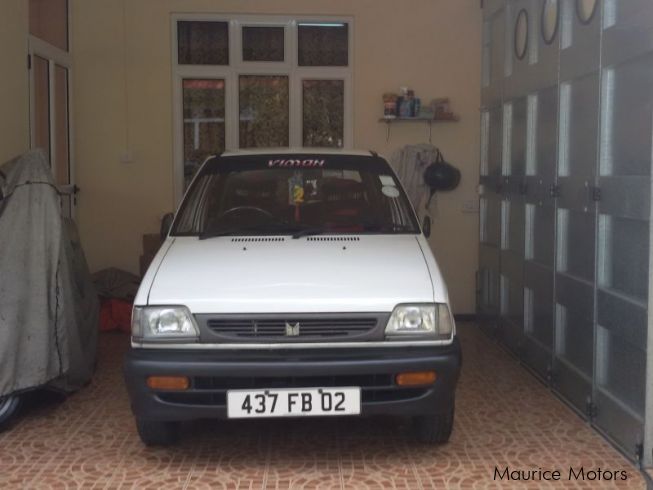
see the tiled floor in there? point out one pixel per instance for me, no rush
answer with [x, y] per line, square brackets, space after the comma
[504, 417]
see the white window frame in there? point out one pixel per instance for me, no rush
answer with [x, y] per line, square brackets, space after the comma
[230, 73]
[55, 56]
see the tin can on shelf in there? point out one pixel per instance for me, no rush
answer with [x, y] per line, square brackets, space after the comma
[389, 105]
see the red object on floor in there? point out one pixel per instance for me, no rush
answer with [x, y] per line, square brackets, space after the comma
[115, 314]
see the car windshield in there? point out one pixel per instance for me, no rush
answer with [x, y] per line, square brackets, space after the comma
[294, 194]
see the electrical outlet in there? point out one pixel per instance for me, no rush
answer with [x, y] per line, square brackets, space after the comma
[470, 206]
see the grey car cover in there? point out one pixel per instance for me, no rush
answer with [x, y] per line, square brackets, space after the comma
[48, 305]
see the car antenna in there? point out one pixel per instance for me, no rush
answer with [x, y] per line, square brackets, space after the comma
[373, 153]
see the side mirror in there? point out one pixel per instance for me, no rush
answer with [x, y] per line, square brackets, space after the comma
[426, 226]
[166, 224]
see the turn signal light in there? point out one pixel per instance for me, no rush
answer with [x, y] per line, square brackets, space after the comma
[416, 378]
[168, 382]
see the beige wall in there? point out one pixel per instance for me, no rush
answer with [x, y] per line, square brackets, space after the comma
[14, 90]
[123, 102]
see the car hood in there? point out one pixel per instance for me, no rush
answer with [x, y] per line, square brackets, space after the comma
[283, 275]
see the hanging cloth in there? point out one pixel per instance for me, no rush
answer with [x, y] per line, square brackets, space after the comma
[410, 163]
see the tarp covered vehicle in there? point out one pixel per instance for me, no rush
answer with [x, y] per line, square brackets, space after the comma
[48, 304]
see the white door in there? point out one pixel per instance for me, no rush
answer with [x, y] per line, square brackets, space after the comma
[50, 77]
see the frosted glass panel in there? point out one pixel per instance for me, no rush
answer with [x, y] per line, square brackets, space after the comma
[323, 44]
[41, 104]
[263, 43]
[323, 105]
[204, 130]
[264, 107]
[203, 43]
[48, 20]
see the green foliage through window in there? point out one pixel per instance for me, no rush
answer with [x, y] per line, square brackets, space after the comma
[264, 111]
[323, 104]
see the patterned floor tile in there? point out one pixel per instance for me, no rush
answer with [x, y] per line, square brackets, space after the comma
[504, 419]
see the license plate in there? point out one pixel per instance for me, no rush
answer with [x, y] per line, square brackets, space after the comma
[293, 402]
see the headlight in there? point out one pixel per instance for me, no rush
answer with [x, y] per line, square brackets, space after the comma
[420, 320]
[163, 322]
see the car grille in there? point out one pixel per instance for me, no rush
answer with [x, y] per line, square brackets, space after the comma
[293, 328]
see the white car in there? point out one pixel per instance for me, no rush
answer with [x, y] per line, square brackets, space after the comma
[293, 283]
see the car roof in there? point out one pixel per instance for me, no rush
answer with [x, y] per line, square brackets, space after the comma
[297, 150]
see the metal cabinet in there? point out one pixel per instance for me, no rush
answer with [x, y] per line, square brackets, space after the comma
[565, 174]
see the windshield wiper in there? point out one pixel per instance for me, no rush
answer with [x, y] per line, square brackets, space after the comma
[387, 228]
[309, 231]
[217, 233]
[297, 232]
[374, 227]
[239, 230]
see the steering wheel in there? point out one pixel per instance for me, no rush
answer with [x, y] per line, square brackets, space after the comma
[239, 209]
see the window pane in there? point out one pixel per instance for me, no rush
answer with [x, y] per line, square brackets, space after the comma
[263, 43]
[61, 158]
[41, 104]
[48, 20]
[61, 163]
[263, 111]
[203, 122]
[323, 103]
[203, 43]
[323, 44]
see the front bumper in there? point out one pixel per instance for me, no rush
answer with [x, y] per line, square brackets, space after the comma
[213, 373]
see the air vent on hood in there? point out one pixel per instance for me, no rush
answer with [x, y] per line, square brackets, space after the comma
[333, 239]
[260, 239]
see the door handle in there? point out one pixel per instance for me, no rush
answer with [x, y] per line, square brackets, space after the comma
[68, 189]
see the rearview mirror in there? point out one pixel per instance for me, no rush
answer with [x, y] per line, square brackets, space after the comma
[166, 224]
[426, 226]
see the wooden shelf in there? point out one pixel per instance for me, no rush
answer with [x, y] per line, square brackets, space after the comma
[390, 120]
[429, 120]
